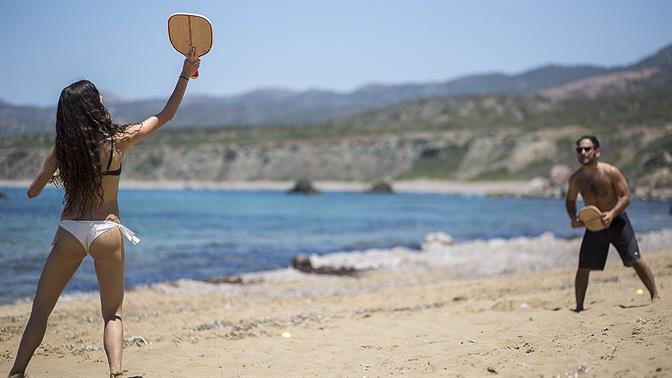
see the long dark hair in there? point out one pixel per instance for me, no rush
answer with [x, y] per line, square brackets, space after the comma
[82, 123]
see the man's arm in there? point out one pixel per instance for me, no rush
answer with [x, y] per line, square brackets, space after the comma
[622, 191]
[570, 203]
[46, 173]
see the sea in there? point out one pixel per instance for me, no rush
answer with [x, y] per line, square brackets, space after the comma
[205, 234]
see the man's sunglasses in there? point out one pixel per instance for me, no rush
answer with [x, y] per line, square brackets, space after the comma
[581, 149]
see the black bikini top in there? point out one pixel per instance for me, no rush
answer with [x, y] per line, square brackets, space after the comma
[116, 172]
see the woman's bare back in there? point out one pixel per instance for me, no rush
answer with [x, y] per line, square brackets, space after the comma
[109, 208]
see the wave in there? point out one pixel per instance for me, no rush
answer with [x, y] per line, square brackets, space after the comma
[479, 257]
[438, 251]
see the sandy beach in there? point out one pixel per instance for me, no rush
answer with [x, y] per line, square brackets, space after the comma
[381, 323]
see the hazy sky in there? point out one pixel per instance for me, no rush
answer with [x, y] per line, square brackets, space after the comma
[123, 47]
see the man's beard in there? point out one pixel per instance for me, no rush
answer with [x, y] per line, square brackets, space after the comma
[587, 161]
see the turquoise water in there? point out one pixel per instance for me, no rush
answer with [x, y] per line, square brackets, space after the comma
[204, 234]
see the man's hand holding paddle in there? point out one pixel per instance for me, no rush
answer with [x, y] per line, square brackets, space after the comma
[607, 218]
[577, 223]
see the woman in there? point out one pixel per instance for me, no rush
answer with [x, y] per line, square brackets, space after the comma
[88, 155]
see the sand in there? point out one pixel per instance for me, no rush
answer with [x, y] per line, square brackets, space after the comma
[383, 323]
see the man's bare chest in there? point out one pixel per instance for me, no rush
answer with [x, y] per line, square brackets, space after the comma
[595, 185]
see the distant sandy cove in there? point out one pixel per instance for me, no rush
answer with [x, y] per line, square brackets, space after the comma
[417, 186]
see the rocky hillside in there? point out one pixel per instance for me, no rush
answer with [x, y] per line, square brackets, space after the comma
[642, 153]
[465, 138]
[284, 107]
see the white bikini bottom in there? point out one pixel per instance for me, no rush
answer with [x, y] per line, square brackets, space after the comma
[88, 231]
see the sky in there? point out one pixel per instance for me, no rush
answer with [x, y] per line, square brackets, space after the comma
[123, 46]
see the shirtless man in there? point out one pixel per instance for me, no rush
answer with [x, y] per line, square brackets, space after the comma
[603, 185]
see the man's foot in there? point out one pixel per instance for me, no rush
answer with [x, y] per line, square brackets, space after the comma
[655, 299]
[578, 309]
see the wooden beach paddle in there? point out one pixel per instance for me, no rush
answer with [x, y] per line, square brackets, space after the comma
[591, 217]
[187, 30]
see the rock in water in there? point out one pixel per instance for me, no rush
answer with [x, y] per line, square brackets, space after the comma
[303, 186]
[225, 279]
[302, 263]
[381, 187]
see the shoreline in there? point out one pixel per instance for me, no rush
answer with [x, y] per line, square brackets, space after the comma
[512, 187]
[534, 188]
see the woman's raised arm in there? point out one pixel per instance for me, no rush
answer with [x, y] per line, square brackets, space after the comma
[138, 132]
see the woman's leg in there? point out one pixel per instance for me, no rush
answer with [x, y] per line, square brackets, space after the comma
[108, 253]
[64, 259]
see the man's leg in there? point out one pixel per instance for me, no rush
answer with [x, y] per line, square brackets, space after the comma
[580, 286]
[592, 256]
[628, 249]
[646, 275]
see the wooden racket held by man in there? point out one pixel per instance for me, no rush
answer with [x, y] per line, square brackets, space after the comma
[187, 30]
[591, 217]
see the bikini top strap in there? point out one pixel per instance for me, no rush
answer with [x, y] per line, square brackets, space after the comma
[109, 161]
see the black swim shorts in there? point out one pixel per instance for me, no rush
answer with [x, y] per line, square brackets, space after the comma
[595, 245]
